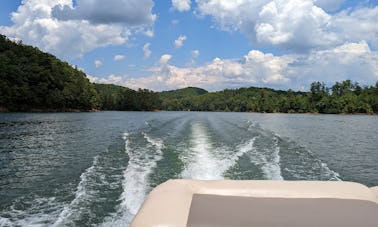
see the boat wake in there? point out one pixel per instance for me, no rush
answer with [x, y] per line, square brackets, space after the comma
[143, 152]
[41, 211]
[199, 160]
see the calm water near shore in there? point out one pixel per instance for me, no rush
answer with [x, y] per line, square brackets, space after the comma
[96, 168]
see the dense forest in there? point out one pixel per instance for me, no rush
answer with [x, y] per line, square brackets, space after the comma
[342, 97]
[113, 97]
[31, 80]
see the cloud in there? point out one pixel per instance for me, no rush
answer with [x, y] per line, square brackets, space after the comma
[146, 50]
[296, 25]
[131, 12]
[179, 42]
[119, 57]
[328, 5]
[354, 61]
[356, 26]
[175, 22]
[195, 53]
[34, 23]
[149, 33]
[181, 5]
[256, 68]
[111, 79]
[165, 58]
[98, 63]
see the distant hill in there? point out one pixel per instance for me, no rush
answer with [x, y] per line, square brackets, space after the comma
[114, 97]
[188, 92]
[173, 100]
[31, 80]
[343, 97]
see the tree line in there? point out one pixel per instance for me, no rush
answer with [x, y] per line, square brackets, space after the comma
[31, 80]
[342, 97]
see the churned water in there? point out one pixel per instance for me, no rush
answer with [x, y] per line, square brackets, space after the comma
[69, 169]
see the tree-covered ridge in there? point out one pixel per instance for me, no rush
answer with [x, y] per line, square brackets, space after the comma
[343, 97]
[31, 79]
[188, 92]
[113, 97]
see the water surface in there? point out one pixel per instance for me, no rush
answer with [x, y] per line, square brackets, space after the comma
[96, 168]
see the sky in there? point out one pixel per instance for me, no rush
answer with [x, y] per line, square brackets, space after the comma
[212, 44]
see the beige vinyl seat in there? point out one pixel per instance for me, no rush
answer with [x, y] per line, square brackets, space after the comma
[260, 204]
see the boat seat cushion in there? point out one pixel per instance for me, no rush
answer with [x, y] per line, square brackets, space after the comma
[216, 210]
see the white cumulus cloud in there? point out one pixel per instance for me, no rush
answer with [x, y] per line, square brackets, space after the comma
[298, 25]
[146, 50]
[356, 26]
[164, 59]
[179, 42]
[111, 79]
[175, 22]
[181, 5]
[354, 61]
[36, 23]
[149, 33]
[119, 57]
[98, 63]
[195, 53]
[132, 12]
[256, 68]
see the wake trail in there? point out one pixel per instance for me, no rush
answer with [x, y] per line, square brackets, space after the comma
[266, 155]
[204, 160]
[200, 163]
[142, 160]
[82, 195]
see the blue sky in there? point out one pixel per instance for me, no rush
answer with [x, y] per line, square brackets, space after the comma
[213, 44]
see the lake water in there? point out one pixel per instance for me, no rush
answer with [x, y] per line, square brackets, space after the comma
[96, 168]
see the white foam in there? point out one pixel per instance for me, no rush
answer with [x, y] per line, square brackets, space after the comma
[273, 168]
[204, 162]
[5, 222]
[268, 160]
[125, 136]
[200, 163]
[228, 157]
[42, 211]
[245, 148]
[82, 194]
[135, 180]
[332, 175]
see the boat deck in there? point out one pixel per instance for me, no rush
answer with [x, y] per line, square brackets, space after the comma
[259, 203]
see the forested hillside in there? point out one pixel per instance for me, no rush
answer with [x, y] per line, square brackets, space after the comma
[32, 80]
[188, 92]
[113, 97]
[343, 97]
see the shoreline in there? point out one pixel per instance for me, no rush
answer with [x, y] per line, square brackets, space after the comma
[36, 110]
[4, 110]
